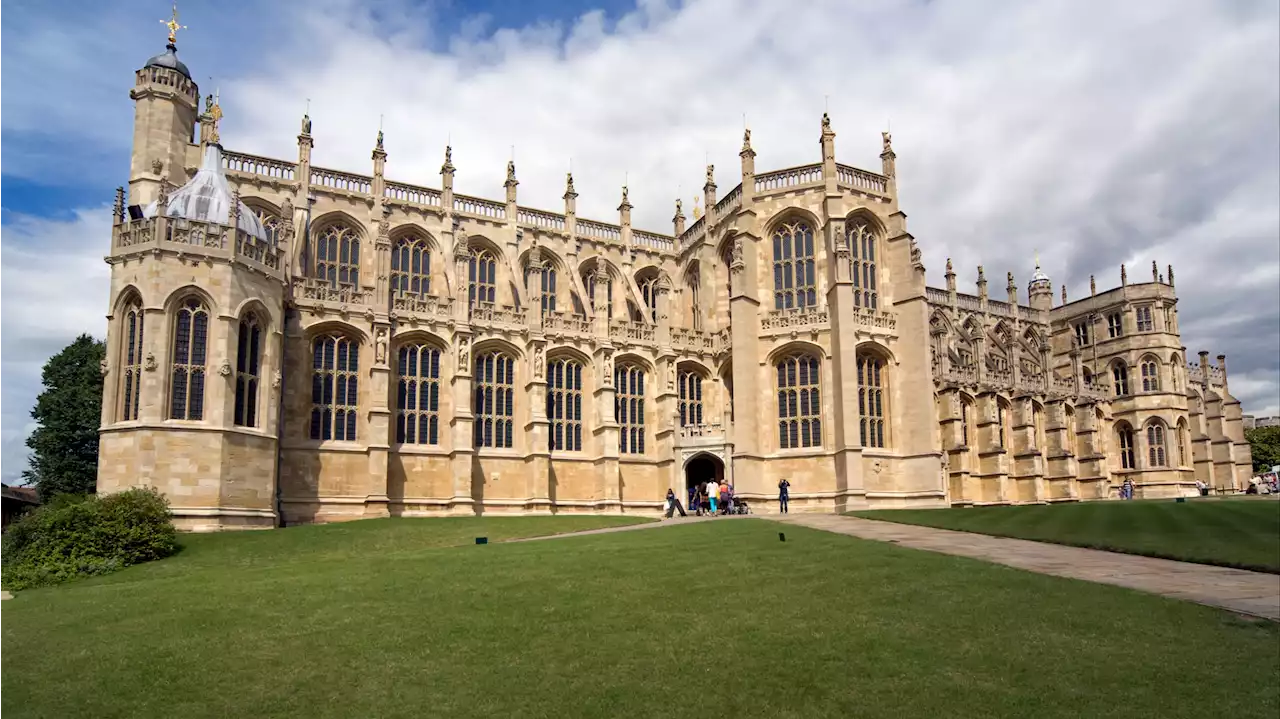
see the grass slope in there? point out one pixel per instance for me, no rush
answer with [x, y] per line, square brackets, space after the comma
[1232, 533]
[707, 620]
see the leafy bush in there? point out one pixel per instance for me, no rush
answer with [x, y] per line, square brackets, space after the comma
[77, 536]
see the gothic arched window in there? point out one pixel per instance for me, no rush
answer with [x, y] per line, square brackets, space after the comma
[628, 408]
[411, 266]
[799, 402]
[335, 364]
[338, 255]
[649, 291]
[690, 384]
[871, 390]
[862, 249]
[1182, 442]
[1150, 376]
[131, 360]
[695, 303]
[564, 404]
[1002, 423]
[418, 394]
[248, 371]
[547, 289]
[1120, 373]
[795, 278]
[273, 224]
[1155, 445]
[190, 343]
[482, 276]
[1125, 436]
[494, 403]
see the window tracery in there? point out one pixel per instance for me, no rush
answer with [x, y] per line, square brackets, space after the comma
[564, 404]
[1150, 376]
[690, 392]
[248, 371]
[482, 276]
[871, 413]
[795, 281]
[335, 361]
[418, 394]
[862, 248]
[1155, 444]
[628, 407]
[799, 402]
[131, 353]
[1125, 436]
[494, 405]
[187, 376]
[411, 266]
[338, 255]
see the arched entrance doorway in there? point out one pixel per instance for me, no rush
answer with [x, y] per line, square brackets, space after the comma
[703, 468]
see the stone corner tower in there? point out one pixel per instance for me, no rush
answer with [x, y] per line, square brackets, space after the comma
[192, 373]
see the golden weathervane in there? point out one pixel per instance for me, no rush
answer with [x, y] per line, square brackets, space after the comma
[172, 24]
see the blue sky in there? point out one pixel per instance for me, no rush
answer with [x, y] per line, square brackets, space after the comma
[1089, 132]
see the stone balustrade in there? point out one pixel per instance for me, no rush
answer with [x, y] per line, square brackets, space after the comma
[497, 316]
[310, 288]
[342, 181]
[479, 207]
[800, 317]
[627, 331]
[265, 167]
[555, 322]
[423, 306]
[412, 194]
[789, 178]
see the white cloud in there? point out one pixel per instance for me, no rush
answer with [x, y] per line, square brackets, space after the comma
[1094, 132]
[55, 287]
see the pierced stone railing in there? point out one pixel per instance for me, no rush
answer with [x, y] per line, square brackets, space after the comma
[729, 203]
[968, 302]
[693, 232]
[264, 252]
[310, 288]
[690, 339]
[599, 230]
[799, 317]
[412, 193]
[652, 239]
[258, 166]
[341, 180]
[538, 218]
[480, 207]
[937, 296]
[1026, 313]
[706, 429]
[790, 177]
[196, 234]
[1195, 374]
[883, 319]
[722, 340]
[131, 234]
[566, 322]
[857, 179]
[495, 315]
[631, 331]
[428, 305]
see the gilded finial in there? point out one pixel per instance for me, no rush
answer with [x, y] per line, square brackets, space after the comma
[215, 114]
[697, 208]
[172, 24]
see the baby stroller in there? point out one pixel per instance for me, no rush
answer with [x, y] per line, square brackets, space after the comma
[740, 506]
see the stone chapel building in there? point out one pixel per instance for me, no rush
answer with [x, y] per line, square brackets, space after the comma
[291, 343]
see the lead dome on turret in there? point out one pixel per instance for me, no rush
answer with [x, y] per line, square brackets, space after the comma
[169, 59]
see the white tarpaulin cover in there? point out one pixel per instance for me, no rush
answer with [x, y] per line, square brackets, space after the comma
[207, 198]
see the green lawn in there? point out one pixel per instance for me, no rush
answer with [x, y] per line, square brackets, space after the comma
[715, 619]
[1230, 532]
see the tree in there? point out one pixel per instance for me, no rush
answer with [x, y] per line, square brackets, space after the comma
[1264, 442]
[64, 448]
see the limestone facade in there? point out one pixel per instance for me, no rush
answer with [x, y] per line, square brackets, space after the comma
[397, 349]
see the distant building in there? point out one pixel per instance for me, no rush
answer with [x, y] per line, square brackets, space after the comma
[17, 501]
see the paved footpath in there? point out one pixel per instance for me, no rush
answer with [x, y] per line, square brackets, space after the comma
[1253, 593]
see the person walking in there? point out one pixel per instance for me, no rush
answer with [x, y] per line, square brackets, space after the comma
[724, 499]
[713, 493]
[673, 503]
[1128, 488]
[784, 492]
